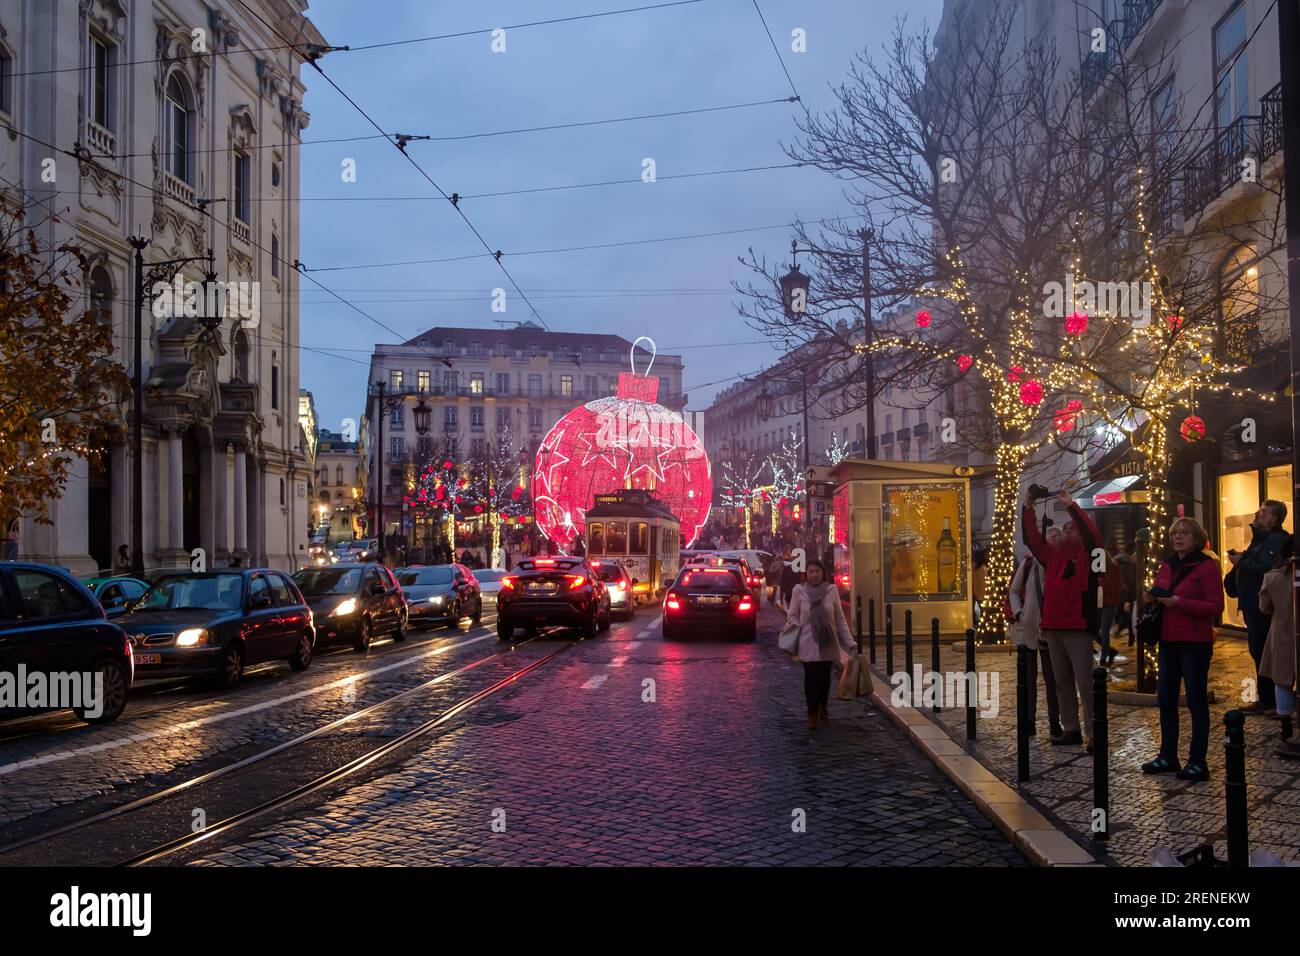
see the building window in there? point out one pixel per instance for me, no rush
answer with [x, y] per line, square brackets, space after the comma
[275, 173]
[103, 57]
[503, 383]
[476, 383]
[1231, 69]
[424, 446]
[176, 130]
[243, 169]
[449, 417]
[275, 384]
[6, 82]
[589, 386]
[396, 417]
[476, 418]
[395, 380]
[338, 474]
[101, 296]
[275, 256]
[282, 492]
[535, 386]
[503, 419]
[534, 418]
[449, 381]
[566, 386]
[478, 447]
[396, 448]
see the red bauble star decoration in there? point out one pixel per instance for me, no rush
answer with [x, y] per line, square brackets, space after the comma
[1076, 323]
[1175, 321]
[923, 319]
[624, 441]
[964, 362]
[1031, 393]
[1192, 428]
[1014, 373]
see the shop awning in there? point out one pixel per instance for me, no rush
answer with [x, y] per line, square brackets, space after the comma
[1121, 490]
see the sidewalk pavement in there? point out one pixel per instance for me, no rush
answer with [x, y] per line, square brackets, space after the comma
[1145, 811]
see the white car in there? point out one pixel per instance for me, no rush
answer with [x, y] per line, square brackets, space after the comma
[489, 582]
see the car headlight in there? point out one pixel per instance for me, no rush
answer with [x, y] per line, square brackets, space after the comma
[345, 608]
[191, 637]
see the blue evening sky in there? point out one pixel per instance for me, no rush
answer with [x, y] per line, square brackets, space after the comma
[706, 54]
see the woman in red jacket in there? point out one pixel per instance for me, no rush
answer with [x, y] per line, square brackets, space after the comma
[1190, 587]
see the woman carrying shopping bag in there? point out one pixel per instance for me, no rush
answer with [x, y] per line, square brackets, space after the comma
[823, 637]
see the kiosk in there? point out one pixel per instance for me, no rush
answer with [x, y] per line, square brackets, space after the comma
[902, 537]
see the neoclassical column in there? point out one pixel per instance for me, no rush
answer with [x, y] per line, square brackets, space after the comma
[175, 492]
[241, 499]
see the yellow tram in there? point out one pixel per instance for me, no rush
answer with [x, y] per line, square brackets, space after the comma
[638, 531]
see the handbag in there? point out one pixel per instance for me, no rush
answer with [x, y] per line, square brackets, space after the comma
[788, 639]
[856, 679]
[1230, 583]
[1150, 616]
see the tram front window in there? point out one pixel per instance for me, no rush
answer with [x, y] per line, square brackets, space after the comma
[616, 538]
[640, 535]
[596, 538]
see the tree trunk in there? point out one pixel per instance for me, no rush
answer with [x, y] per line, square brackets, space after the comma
[1010, 463]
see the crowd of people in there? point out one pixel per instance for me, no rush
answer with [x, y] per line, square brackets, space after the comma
[1069, 591]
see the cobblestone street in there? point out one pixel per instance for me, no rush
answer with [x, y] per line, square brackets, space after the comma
[717, 769]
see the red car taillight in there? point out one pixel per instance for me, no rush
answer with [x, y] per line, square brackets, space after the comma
[745, 604]
[508, 583]
[673, 603]
[576, 581]
[621, 586]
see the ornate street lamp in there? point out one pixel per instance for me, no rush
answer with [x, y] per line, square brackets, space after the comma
[213, 312]
[423, 415]
[764, 404]
[794, 288]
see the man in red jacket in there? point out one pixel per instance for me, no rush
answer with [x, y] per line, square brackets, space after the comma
[1069, 612]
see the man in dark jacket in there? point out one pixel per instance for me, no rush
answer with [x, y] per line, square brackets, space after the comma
[1069, 613]
[1266, 538]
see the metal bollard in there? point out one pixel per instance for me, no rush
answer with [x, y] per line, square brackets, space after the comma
[934, 656]
[1022, 713]
[1100, 757]
[889, 641]
[1234, 787]
[970, 676]
[871, 627]
[907, 644]
[857, 621]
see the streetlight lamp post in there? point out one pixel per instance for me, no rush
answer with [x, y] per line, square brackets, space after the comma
[158, 272]
[794, 301]
[384, 407]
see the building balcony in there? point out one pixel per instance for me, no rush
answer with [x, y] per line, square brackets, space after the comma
[1239, 341]
[1218, 167]
[1270, 120]
[178, 189]
[241, 230]
[101, 141]
[1120, 32]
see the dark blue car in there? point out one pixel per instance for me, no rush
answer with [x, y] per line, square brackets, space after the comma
[51, 625]
[214, 624]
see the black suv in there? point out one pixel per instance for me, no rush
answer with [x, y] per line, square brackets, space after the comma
[710, 601]
[213, 624]
[354, 603]
[544, 592]
[52, 625]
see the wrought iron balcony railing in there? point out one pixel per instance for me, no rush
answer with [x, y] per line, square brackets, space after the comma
[1270, 122]
[1219, 166]
[1120, 32]
[1240, 339]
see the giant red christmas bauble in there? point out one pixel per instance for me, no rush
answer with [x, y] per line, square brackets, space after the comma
[625, 441]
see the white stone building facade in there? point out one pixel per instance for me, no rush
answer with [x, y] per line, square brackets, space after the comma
[169, 105]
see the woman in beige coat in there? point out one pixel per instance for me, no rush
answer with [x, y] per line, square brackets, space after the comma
[824, 637]
[1277, 662]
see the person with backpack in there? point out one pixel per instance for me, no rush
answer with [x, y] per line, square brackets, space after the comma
[1069, 611]
[1025, 604]
[1189, 589]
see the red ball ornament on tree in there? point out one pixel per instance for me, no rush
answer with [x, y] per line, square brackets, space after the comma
[923, 319]
[516, 492]
[1076, 323]
[1014, 373]
[1031, 393]
[1192, 428]
[478, 509]
[1066, 416]
[1175, 321]
[627, 440]
[964, 362]
[446, 464]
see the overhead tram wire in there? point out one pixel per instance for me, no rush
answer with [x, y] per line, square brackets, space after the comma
[201, 207]
[369, 46]
[497, 254]
[779, 58]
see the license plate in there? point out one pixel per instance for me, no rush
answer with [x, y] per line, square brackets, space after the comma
[148, 658]
[711, 599]
[542, 588]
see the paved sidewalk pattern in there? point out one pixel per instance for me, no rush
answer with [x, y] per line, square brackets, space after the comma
[578, 766]
[1146, 811]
